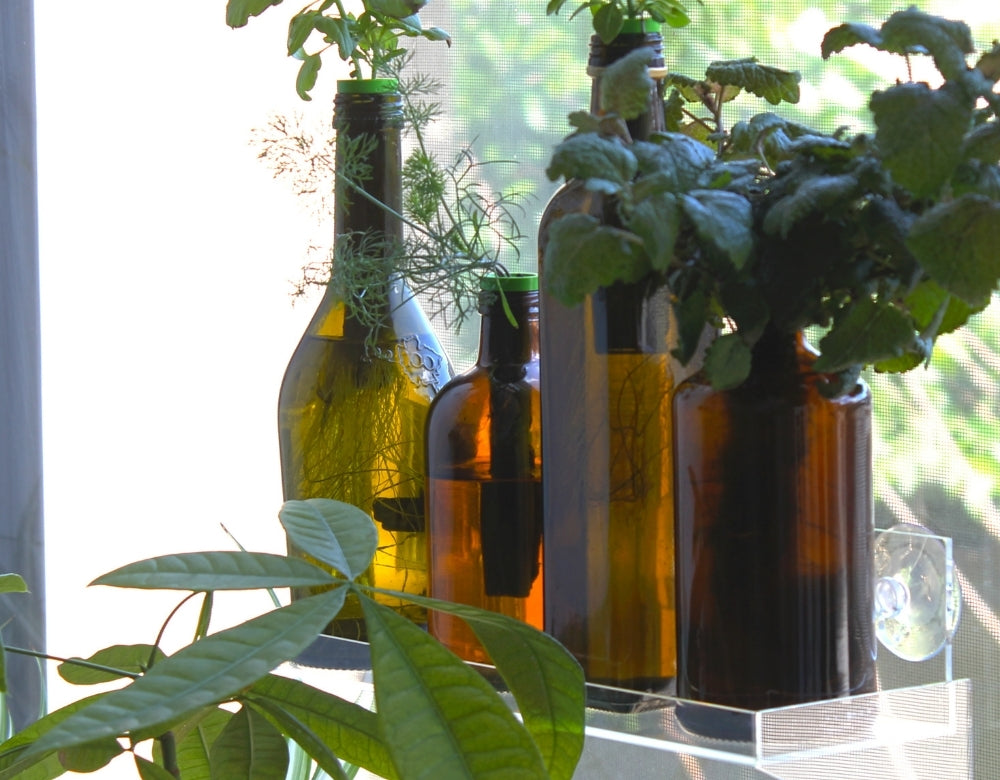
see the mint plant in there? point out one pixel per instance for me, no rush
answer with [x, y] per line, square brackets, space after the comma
[609, 15]
[370, 38]
[885, 240]
[215, 704]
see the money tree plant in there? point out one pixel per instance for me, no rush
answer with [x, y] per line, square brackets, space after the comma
[217, 708]
[885, 240]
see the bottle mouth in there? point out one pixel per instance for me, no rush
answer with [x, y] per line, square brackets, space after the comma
[367, 86]
[512, 283]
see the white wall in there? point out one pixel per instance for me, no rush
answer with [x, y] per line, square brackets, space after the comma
[166, 258]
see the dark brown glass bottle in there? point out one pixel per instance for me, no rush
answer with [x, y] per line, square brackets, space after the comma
[354, 400]
[484, 470]
[774, 535]
[606, 382]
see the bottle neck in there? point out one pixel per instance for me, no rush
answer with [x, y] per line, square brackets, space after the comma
[501, 342]
[368, 152]
[604, 54]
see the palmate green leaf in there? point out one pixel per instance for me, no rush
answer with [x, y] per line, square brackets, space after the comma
[722, 220]
[727, 361]
[590, 156]
[299, 29]
[869, 332]
[956, 243]
[90, 757]
[439, 717]
[348, 729]
[304, 737]
[625, 84]
[224, 570]
[12, 583]
[546, 681]
[238, 12]
[338, 31]
[147, 770]
[200, 674]
[772, 84]
[132, 659]
[583, 254]
[249, 748]
[15, 765]
[193, 739]
[920, 132]
[334, 533]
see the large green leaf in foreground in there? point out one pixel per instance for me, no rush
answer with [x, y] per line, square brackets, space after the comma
[201, 674]
[438, 716]
[337, 534]
[227, 570]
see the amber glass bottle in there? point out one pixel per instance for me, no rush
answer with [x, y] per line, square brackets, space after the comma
[354, 400]
[484, 497]
[774, 535]
[606, 382]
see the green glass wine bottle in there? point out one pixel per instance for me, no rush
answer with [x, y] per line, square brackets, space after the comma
[355, 396]
[484, 461]
[607, 376]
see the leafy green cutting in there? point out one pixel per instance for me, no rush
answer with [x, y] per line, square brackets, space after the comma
[370, 38]
[215, 708]
[609, 15]
[886, 240]
[455, 232]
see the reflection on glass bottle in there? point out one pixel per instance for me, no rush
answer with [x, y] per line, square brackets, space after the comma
[484, 506]
[606, 382]
[354, 399]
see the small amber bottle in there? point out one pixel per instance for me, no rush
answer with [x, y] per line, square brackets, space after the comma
[484, 468]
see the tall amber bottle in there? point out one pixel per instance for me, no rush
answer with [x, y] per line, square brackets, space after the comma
[354, 401]
[606, 383]
[774, 535]
[484, 496]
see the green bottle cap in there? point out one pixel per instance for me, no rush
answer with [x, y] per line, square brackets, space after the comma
[633, 25]
[512, 283]
[367, 86]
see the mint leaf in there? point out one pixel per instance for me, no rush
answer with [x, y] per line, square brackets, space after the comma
[724, 221]
[818, 196]
[680, 158]
[983, 143]
[691, 313]
[869, 332]
[772, 84]
[583, 254]
[956, 243]
[656, 220]
[589, 156]
[946, 41]
[727, 361]
[926, 300]
[626, 84]
[920, 133]
[847, 35]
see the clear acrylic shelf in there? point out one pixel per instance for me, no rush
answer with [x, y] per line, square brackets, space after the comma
[906, 733]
